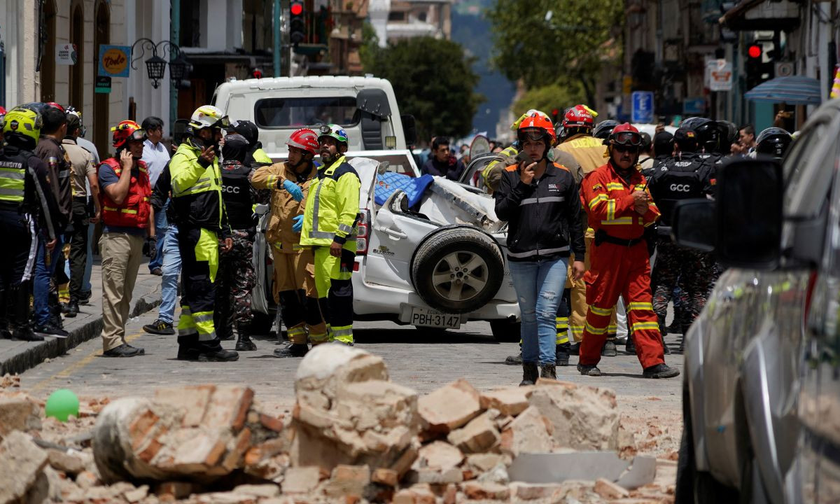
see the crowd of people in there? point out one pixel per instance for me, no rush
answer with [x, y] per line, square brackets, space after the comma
[588, 207]
[192, 214]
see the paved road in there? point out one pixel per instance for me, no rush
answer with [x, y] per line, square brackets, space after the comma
[414, 359]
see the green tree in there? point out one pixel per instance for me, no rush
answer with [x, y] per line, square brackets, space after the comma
[433, 81]
[556, 41]
[549, 97]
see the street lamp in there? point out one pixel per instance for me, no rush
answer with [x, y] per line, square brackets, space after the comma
[156, 65]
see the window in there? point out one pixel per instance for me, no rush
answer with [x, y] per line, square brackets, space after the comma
[396, 16]
[275, 113]
[191, 23]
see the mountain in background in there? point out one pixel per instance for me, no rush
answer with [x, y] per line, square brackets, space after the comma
[471, 30]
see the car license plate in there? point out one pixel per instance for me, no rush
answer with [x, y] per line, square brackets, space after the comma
[424, 317]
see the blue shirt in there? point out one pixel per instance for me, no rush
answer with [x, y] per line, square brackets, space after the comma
[107, 176]
[155, 157]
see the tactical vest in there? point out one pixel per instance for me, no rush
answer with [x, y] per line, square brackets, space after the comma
[236, 193]
[135, 209]
[13, 178]
[675, 180]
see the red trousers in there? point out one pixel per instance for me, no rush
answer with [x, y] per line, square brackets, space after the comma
[619, 270]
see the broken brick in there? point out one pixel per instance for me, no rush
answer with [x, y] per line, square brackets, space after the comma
[449, 407]
[301, 479]
[229, 407]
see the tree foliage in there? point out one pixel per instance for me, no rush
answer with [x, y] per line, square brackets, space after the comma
[433, 81]
[549, 97]
[544, 42]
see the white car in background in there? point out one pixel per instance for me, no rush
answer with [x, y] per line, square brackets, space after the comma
[435, 264]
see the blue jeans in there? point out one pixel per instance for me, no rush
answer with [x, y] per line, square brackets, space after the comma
[539, 287]
[171, 271]
[41, 282]
[161, 226]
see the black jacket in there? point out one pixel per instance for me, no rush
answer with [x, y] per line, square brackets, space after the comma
[543, 217]
[687, 176]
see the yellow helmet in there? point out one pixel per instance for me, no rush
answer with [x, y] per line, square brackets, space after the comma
[208, 116]
[24, 122]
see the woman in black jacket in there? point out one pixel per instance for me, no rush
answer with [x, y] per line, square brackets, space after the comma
[540, 201]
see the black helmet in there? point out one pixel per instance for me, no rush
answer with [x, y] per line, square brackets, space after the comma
[604, 128]
[706, 130]
[727, 135]
[774, 142]
[248, 130]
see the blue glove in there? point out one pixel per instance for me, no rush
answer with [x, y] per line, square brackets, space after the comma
[298, 223]
[293, 189]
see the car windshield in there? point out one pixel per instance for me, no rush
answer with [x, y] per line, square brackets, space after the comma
[273, 113]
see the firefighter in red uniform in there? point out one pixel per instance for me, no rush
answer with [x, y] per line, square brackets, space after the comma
[619, 207]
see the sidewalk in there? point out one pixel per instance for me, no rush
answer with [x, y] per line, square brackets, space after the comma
[18, 356]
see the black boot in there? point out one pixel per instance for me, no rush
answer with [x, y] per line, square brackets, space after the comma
[72, 309]
[530, 374]
[19, 324]
[661, 371]
[609, 348]
[244, 343]
[514, 360]
[548, 371]
[562, 354]
[630, 349]
[292, 350]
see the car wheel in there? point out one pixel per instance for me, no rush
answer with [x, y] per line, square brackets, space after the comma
[506, 331]
[457, 269]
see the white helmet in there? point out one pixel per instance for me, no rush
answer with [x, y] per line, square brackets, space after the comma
[208, 116]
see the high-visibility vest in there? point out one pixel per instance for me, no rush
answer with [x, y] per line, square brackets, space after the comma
[323, 220]
[13, 178]
[135, 209]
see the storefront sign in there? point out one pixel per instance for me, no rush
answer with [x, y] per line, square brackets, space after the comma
[65, 54]
[720, 75]
[114, 61]
[103, 85]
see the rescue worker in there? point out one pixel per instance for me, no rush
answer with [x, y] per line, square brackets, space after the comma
[619, 209]
[685, 176]
[294, 284]
[329, 226]
[27, 208]
[235, 279]
[773, 142]
[604, 128]
[492, 173]
[589, 153]
[128, 226]
[202, 224]
[47, 311]
[540, 201]
[256, 156]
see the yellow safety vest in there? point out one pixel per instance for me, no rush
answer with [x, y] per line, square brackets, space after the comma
[324, 217]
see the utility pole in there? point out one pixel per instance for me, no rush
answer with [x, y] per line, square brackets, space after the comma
[278, 42]
[175, 38]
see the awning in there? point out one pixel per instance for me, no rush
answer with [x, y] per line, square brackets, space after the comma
[757, 15]
[795, 90]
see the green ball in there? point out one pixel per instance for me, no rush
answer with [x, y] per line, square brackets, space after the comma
[61, 404]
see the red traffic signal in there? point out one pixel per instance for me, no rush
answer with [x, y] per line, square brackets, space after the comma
[754, 51]
[297, 23]
[297, 9]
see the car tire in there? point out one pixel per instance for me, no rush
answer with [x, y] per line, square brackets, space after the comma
[693, 486]
[506, 331]
[457, 269]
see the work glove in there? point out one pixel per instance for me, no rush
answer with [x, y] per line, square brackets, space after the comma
[293, 189]
[298, 223]
[150, 247]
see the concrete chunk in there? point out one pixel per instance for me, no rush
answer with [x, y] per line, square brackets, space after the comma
[21, 465]
[480, 435]
[18, 413]
[449, 407]
[584, 418]
[529, 433]
[509, 401]
[439, 456]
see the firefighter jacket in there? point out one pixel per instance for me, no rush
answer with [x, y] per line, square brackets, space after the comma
[588, 151]
[197, 191]
[58, 165]
[608, 200]
[283, 207]
[686, 176]
[24, 188]
[493, 171]
[543, 217]
[239, 196]
[135, 209]
[333, 206]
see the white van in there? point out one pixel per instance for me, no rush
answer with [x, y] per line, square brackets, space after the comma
[365, 106]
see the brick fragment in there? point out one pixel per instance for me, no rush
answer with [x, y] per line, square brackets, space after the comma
[449, 407]
[191, 400]
[486, 491]
[387, 477]
[348, 480]
[18, 413]
[480, 435]
[609, 490]
[301, 480]
[509, 401]
[229, 407]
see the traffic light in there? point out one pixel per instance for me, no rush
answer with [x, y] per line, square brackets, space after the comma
[756, 68]
[297, 22]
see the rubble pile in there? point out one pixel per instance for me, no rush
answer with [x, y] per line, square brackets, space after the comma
[353, 436]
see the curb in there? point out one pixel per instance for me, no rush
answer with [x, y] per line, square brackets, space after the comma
[54, 347]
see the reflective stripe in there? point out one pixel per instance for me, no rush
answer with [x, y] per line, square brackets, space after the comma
[319, 234]
[343, 332]
[593, 330]
[611, 210]
[531, 253]
[597, 199]
[345, 228]
[639, 305]
[603, 312]
[615, 186]
[548, 199]
[187, 331]
[651, 223]
[576, 329]
[621, 221]
[206, 336]
[12, 173]
[562, 339]
[203, 317]
[645, 326]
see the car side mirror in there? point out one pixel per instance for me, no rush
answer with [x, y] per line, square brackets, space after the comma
[749, 214]
[693, 224]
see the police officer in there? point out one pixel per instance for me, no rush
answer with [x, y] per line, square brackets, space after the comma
[200, 217]
[773, 142]
[684, 176]
[256, 156]
[27, 206]
[329, 226]
[294, 283]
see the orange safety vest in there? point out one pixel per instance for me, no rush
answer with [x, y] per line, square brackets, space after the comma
[135, 209]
